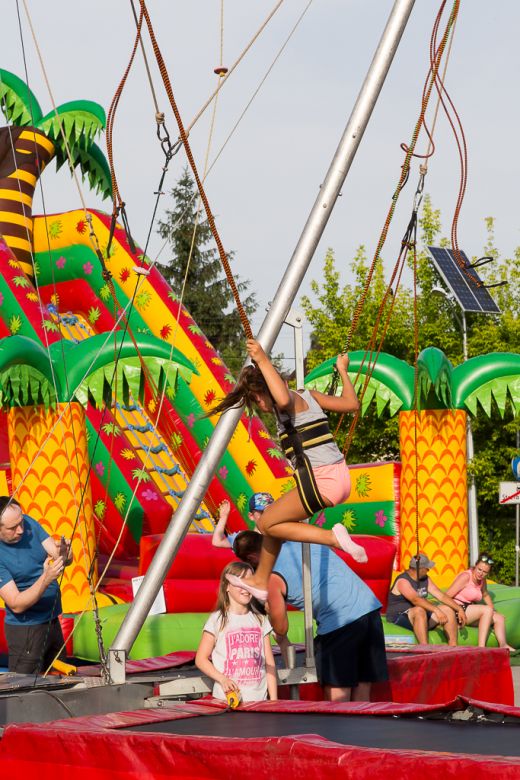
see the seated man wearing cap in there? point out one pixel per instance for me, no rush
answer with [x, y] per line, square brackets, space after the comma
[257, 503]
[409, 606]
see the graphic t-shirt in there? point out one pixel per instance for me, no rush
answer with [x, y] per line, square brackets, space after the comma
[239, 653]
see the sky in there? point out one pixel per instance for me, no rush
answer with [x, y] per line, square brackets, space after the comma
[263, 185]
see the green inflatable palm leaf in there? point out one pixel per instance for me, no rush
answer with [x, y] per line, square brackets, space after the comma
[80, 121]
[17, 103]
[94, 167]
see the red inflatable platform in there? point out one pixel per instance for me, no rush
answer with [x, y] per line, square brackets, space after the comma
[267, 741]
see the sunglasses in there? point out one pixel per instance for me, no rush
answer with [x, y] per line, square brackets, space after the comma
[487, 559]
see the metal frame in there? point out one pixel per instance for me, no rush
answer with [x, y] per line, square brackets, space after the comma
[278, 311]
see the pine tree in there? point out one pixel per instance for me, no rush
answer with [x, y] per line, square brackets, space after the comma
[207, 294]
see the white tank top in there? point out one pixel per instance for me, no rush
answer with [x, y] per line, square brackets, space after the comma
[324, 454]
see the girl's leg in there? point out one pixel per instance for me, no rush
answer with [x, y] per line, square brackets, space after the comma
[499, 627]
[483, 615]
[280, 521]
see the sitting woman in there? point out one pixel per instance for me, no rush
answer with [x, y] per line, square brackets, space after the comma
[469, 589]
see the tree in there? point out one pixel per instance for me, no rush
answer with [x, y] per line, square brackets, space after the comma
[206, 292]
[376, 437]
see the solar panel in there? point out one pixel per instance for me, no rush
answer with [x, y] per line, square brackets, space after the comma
[469, 295]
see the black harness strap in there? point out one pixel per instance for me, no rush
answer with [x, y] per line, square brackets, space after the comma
[304, 437]
[295, 440]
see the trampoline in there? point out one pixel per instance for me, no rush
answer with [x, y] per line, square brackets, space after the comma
[448, 731]
[266, 741]
[390, 732]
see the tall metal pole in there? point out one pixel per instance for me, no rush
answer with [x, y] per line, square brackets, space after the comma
[517, 528]
[473, 542]
[278, 311]
[470, 453]
[295, 320]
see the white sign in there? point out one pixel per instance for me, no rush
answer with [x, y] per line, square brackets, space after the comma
[509, 493]
[159, 605]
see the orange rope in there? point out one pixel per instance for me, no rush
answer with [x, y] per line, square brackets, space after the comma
[436, 54]
[430, 80]
[116, 196]
[184, 138]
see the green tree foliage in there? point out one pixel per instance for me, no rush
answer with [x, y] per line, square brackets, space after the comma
[206, 292]
[439, 324]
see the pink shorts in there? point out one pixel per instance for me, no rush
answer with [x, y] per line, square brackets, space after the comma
[333, 482]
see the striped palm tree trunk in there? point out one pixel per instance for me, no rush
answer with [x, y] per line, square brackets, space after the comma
[49, 462]
[433, 479]
[24, 152]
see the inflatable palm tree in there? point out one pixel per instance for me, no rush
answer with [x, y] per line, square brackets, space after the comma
[45, 392]
[29, 143]
[433, 440]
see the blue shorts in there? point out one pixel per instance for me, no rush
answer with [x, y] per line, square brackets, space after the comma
[403, 621]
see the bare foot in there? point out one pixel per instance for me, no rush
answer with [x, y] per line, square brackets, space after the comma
[245, 583]
[346, 543]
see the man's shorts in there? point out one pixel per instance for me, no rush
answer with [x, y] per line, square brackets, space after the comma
[32, 648]
[403, 621]
[352, 654]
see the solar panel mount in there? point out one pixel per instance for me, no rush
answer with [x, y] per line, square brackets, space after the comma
[465, 284]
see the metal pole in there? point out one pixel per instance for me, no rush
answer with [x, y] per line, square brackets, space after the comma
[517, 530]
[517, 542]
[279, 309]
[470, 452]
[295, 320]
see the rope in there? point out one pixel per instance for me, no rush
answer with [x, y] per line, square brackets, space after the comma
[431, 146]
[119, 317]
[122, 316]
[373, 349]
[46, 340]
[145, 59]
[92, 235]
[223, 257]
[118, 203]
[234, 66]
[406, 164]
[235, 126]
[409, 240]
[219, 71]
[416, 395]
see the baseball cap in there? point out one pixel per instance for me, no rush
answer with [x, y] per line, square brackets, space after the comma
[259, 501]
[423, 560]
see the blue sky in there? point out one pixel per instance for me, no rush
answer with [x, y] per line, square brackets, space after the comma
[263, 185]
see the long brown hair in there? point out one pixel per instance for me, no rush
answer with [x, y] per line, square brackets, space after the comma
[239, 569]
[250, 384]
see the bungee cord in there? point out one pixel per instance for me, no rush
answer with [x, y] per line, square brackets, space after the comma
[438, 52]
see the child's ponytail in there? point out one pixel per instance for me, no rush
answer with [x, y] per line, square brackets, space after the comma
[250, 385]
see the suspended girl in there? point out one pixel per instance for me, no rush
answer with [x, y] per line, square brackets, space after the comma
[321, 474]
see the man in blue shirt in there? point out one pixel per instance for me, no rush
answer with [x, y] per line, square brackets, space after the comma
[30, 565]
[350, 644]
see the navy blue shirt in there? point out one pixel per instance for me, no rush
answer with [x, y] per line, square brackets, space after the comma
[22, 563]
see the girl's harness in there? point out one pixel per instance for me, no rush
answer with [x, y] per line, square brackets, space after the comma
[295, 440]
